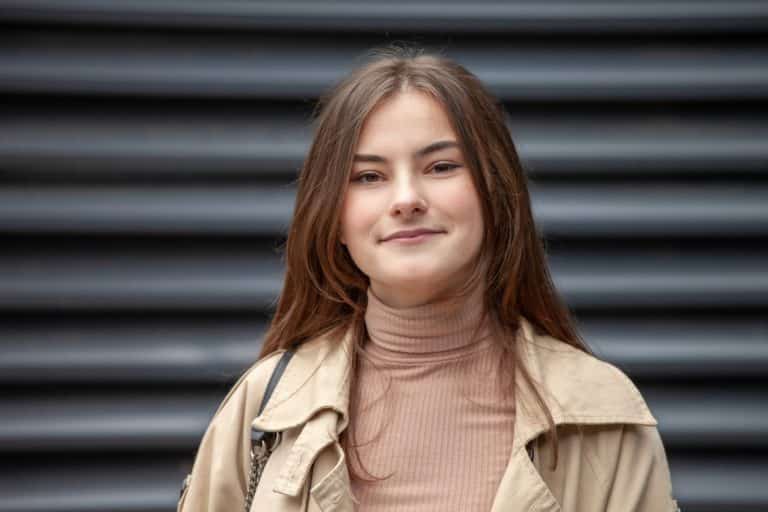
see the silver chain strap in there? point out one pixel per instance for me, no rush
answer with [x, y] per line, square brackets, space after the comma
[259, 455]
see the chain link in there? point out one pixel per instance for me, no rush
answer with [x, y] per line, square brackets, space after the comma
[259, 455]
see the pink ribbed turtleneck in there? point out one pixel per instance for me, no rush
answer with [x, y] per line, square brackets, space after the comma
[445, 425]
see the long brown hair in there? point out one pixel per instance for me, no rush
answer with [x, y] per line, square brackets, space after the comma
[324, 292]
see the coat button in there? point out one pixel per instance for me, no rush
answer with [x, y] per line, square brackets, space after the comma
[336, 498]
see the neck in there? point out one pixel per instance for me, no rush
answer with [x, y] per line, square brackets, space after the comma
[441, 330]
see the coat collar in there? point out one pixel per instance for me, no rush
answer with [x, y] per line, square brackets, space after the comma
[577, 388]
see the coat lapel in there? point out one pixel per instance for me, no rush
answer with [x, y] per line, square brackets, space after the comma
[313, 394]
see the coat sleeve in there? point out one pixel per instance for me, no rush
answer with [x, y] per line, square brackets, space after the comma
[634, 470]
[218, 481]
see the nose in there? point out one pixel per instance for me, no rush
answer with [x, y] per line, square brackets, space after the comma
[408, 201]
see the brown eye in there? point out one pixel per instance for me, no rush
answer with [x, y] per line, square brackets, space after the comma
[444, 168]
[362, 177]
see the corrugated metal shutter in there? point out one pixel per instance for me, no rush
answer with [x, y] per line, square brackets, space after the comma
[147, 151]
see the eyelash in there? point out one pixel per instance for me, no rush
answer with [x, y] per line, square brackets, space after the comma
[358, 178]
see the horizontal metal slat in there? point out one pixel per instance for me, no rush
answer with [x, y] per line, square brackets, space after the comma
[74, 485]
[154, 420]
[661, 279]
[152, 140]
[681, 348]
[652, 144]
[232, 210]
[203, 280]
[633, 210]
[230, 65]
[561, 210]
[729, 483]
[135, 350]
[220, 280]
[546, 17]
[119, 142]
[705, 416]
[708, 416]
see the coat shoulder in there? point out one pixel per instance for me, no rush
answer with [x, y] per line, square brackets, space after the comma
[253, 381]
[584, 388]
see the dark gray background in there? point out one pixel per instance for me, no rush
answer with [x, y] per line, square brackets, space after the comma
[147, 153]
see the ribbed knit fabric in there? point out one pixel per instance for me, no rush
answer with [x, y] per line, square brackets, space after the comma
[445, 425]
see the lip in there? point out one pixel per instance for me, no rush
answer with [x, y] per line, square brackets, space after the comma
[411, 235]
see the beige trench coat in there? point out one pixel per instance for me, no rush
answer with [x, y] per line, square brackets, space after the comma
[611, 454]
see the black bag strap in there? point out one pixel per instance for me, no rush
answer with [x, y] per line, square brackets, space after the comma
[263, 443]
[256, 434]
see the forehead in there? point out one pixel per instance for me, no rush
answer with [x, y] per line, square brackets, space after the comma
[408, 119]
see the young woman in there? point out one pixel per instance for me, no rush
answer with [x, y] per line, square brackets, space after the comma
[434, 366]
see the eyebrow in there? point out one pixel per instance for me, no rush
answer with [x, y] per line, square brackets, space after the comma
[435, 146]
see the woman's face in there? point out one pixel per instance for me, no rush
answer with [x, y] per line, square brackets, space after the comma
[402, 179]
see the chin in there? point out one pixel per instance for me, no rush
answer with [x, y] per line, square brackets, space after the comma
[410, 279]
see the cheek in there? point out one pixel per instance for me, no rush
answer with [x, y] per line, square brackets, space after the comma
[464, 205]
[358, 217]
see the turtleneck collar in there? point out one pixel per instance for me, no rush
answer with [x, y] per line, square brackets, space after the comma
[434, 332]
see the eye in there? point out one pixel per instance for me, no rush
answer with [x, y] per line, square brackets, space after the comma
[363, 177]
[445, 168]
